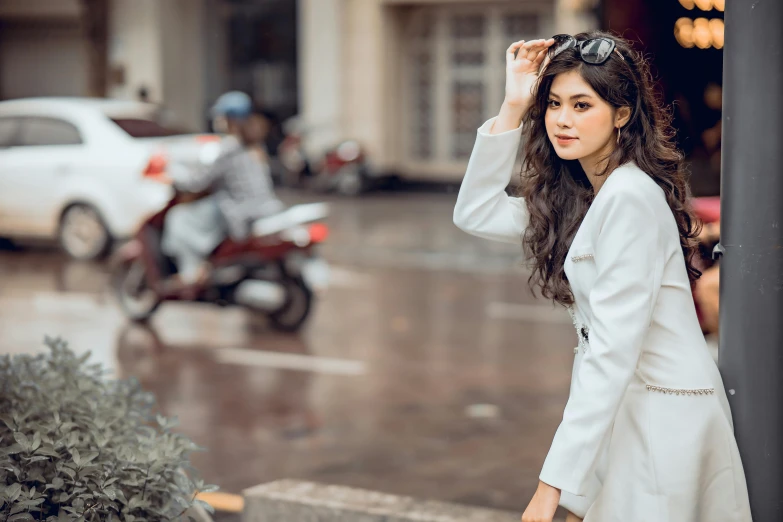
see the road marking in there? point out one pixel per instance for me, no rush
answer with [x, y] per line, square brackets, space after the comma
[290, 361]
[482, 411]
[532, 313]
[341, 277]
[52, 302]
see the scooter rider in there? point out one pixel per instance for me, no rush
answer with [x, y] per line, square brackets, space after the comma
[239, 186]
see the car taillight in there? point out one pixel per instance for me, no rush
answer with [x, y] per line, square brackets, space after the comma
[156, 168]
[318, 233]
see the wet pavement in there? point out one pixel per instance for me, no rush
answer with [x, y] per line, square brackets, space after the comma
[427, 369]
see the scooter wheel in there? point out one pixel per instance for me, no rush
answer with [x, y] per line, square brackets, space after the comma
[299, 302]
[137, 300]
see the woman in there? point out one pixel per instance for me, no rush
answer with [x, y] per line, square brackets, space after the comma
[647, 433]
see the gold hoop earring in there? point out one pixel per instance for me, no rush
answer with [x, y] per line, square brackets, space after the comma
[618, 134]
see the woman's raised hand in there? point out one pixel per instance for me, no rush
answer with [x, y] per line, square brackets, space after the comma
[523, 63]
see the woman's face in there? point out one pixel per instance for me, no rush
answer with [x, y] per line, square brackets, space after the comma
[579, 123]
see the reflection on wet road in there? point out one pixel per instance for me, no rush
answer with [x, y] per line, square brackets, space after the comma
[427, 369]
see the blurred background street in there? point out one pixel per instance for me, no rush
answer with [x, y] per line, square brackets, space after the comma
[427, 369]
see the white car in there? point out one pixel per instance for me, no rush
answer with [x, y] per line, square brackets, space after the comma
[86, 171]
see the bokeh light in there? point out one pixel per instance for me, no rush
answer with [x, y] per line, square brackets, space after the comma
[702, 36]
[683, 32]
[704, 5]
[716, 28]
[701, 33]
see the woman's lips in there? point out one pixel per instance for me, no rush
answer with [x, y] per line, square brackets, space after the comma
[565, 140]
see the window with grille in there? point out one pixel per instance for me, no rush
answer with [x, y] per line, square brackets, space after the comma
[456, 70]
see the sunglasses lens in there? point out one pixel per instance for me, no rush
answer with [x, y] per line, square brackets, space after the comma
[562, 42]
[597, 51]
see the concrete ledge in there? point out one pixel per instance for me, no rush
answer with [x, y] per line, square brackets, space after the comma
[295, 501]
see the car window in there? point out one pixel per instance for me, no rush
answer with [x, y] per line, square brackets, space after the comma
[48, 131]
[8, 128]
[140, 128]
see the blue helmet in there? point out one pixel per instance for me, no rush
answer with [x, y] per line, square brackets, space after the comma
[234, 105]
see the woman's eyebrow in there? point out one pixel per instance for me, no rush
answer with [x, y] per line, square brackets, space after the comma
[574, 97]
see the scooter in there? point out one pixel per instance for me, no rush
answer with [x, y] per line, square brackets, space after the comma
[275, 273]
[343, 169]
[707, 210]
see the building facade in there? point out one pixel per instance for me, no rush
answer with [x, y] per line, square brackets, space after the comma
[113, 48]
[43, 49]
[412, 80]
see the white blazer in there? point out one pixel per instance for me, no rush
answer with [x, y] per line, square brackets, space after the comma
[647, 433]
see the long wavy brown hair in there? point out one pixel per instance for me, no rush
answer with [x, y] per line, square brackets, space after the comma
[558, 192]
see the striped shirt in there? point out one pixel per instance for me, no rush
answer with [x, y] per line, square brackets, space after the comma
[242, 186]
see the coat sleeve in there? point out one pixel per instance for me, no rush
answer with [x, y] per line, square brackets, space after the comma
[483, 208]
[629, 263]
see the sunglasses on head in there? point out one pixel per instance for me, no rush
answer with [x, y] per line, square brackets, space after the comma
[594, 51]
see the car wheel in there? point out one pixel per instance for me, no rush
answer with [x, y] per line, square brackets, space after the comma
[83, 234]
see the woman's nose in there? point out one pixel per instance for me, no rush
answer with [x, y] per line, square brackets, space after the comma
[564, 118]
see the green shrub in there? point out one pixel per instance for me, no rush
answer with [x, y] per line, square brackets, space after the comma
[75, 445]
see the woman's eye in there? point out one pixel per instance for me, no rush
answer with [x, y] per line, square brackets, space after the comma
[582, 106]
[553, 104]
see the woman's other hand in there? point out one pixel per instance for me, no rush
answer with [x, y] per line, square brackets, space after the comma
[543, 505]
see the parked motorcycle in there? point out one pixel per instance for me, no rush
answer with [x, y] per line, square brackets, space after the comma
[275, 273]
[707, 210]
[342, 169]
[705, 291]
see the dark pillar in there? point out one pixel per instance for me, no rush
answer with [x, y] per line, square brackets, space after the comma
[751, 334]
[95, 21]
